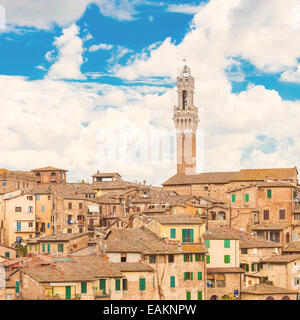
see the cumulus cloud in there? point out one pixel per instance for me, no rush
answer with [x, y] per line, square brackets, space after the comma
[69, 60]
[100, 46]
[183, 8]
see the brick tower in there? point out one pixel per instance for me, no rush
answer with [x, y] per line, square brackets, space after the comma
[186, 123]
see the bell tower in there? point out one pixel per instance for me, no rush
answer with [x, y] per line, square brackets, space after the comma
[186, 123]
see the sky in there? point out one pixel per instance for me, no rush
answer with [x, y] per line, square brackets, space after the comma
[90, 85]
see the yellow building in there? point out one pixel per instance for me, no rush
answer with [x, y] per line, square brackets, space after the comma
[44, 212]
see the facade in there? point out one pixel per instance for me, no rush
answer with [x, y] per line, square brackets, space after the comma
[50, 175]
[16, 180]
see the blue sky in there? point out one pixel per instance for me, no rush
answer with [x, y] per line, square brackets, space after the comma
[120, 59]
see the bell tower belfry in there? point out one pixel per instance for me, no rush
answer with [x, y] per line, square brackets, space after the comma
[186, 123]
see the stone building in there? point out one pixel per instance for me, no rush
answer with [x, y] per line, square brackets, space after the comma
[50, 175]
[16, 180]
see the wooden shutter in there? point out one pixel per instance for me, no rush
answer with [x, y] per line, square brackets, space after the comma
[191, 235]
[227, 258]
[172, 282]
[185, 276]
[191, 275]
[226, 243]
[173, 233]
[266, 214]
[199, 275]
[269, 193]
[247, 267]
[207, 259]
[233, 197]
[281, 214]
[83, 287]
[199, 295]
[142, 284]
[184, 235]
[118, 285]
[246, 197]
[207, 242]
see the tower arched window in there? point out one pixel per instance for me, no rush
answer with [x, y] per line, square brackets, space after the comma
[53, 174]
[184, 99]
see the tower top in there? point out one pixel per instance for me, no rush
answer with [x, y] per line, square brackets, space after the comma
[185, 72]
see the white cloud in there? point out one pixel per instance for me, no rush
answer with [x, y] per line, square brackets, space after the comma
[100, 46]
[69, 60]
[183, 8]
[291, 75]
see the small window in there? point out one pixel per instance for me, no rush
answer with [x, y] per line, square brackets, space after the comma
[172, 281]
[142, 284]
[269, 193]
[80, 205]
[188, 257]
[38, 197]
[244, 251]
[152, 259]
[3, 183]
[125, 284]
[266, 214]
[173, 233]
[42, 208]
[18, 209]
[226, 258]
[227, 244]
[207, 242]
[49, 197]
[199, 295]
[246, 197]
[233, 198]
[83, 287]
[118, 285]
[123, 257]
[208, 259]
[282, 214]
[200, 275]
[171, 258]
[7, 254]
[70, 205]
[188, 295]
[188, 276]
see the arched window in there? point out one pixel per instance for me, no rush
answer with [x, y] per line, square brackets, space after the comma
[285, 298]
[184, 99]
[53, 174]
[38, 174]
[269, 298]
[214, 298]
[221, 281]
[210, 281]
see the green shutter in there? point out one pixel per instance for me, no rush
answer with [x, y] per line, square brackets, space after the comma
[226, 243]
[142, 284]
[118, 285]
[208, 259]
[49, 247]
[184, 257]
[7, 254]
[252, 267]
[18, 287]
[233, 197]
[188, 295]
[102, 285]
[44, 247]
[191, 235]
[269, 193]
[247, 267]
[199, 295]
[83, 287]
[173, 233]
[185, 276]
[207, 242]
[227, 258]
[191, 275]
[199, 275]
[184, 235]
[172, 282]
[246, 197]
[191, 257]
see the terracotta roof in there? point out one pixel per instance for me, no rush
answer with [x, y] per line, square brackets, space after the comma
[281, 258]
[57, 237]
[271, 226]
[106, 175]
[111, 185]
[196, 247]
[178, 219]
[273, 184]
[263, 288]
[242, 175]
[90, 250]
[133, 267]
[225, 270]
[219, 234]
[292, 247]
[49, 168]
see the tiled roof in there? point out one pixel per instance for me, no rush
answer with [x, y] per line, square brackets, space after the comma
[263, 288]
[90, 250]
[111, 185]
[196, 247]
[281, 258]
[219, 234]
[133, 266]
[271, 226]
[57, 237]
[106, 175]
[273, 184]
[242, 175]
[292, 247]
[225, 270]
[178, 219]
[49, 168]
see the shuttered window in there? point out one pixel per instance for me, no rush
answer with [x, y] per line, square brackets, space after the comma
[207, 242]
[44, 247]
[17, 286]
[269, 193]
[233, 197]
[48, 247]
[266, 214]
[247, 267]
[7, 254]
[187, 235]
[246, 197]
[281, 214]
[199, 275]
[118, 285]
[83, 287]
[226, 243]
[199, 295]
[208, 259]
[226, 258]
[173, 233]
[188, 295]
[142, 284]
[172, 281]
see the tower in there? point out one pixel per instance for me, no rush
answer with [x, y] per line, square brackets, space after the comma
[186, 123]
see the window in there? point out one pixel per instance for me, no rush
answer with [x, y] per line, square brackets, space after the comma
[199, 257]
[188, 257]
[210, 281]
[173, 233]
[43, 209]
[125, 284]
[207, 242]
[244, 251]
[83, 287]
[188, 276]
[60, 247]
[220, 281]
[29, 198]
[7, 254]
[151, 259]
[296, 281]
[172, 281]
[18, 209]
[281, 214]
[118, 285]
[38, 197]
[171, 258]
[49, 197]
[269, 193]
[233, 198]
[17, 286]
[70, 205]
[246, 197]
[200, 275]
[226, 258]
[30, 209]
[188, 295]
[123, 257]
[69, 230]
[80, 205]
[266, 214]
[30, 224]
[199, 295]
[208, 259]
[142, 284]
[206, 188]
[296, 216]
[3, 183]
[187, 235]
[227, 244]
[48, 248]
